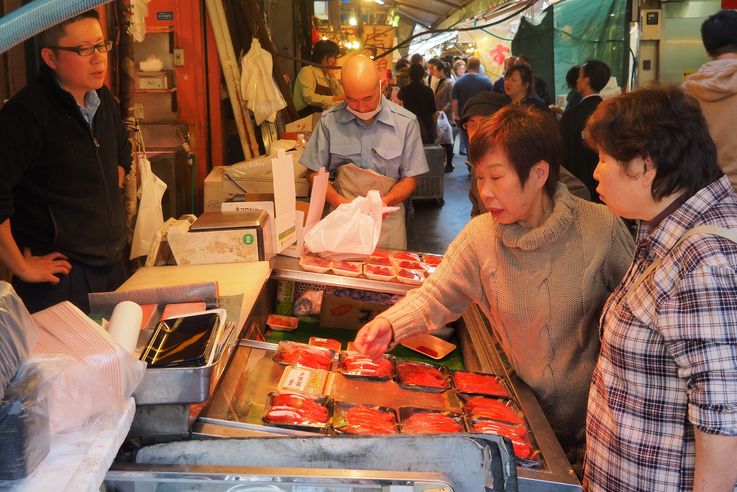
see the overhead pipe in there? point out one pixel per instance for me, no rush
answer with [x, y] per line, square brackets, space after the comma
[37, 16]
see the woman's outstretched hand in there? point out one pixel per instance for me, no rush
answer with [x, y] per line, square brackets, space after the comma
[374, 337]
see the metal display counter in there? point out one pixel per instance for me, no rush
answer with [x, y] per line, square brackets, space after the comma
[237, 406]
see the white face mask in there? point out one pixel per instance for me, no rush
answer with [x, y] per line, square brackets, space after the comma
[368, 114]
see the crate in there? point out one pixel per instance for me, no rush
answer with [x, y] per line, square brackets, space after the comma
[430, 184]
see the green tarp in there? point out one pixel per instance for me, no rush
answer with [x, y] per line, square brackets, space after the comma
[570, 32]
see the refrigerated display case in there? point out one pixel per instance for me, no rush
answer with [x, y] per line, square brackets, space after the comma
[237, 407]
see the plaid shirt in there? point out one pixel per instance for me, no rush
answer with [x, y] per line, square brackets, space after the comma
[668, 357]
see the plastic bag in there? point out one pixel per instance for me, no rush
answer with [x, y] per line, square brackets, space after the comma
[73, 393]
[150, 215]
[64, 329]
[24, 426]
[18, 334]
[258, 88]
[351, 231]
[445, 131]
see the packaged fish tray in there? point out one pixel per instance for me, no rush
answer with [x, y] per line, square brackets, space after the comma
[421, 376]
[352, 418]
[379, 261]
[347, 268]
[500, 409]
[328, 343]
[410, 277]
[314, 264]
[415, 266]
[355, 365]
[379, 272]
[431, 260]
[299, 412]
[479, 383]
[404, 255]
[517, 434]
[414, 420]
[301, 354]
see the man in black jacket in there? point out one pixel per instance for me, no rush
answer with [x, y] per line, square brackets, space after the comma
[63, 156]
[580, 159]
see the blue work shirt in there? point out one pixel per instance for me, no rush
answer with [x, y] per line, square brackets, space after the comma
[390, 145]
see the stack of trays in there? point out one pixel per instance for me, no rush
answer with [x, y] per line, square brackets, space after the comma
[24, 429]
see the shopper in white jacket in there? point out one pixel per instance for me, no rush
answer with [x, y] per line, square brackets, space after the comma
[715, 87]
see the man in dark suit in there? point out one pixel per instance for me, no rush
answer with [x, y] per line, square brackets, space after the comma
[580, 159]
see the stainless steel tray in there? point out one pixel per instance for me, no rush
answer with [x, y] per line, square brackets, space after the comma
[183, 385]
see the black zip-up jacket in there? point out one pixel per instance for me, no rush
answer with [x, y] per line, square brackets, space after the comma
[59, 178]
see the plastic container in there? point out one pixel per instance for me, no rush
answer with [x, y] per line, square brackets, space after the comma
[429, 345]
[416, 266]
[301, 354]
[378, 272]
[314, 264]
[421, 376]
[411, 277]
[517, 434]
[404, 255]
[351, 418]
[296, 411]
[423, 421]
[499, 409]
[278, 322]
[379, 260]
[328, 343]
[478, 383]
[431, 260]
[353, 364]
[347, 268]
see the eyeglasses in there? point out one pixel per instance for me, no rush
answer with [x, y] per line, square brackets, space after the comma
[470, 125]
[87, 49]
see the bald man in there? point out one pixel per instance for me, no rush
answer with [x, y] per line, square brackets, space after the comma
[367, 143]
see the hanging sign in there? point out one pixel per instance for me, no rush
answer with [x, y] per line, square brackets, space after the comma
[378, 38]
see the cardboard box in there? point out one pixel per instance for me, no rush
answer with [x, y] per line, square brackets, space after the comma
[224, 237]
[303, 125]
[154, 80]
[344, 312]
[219, 188]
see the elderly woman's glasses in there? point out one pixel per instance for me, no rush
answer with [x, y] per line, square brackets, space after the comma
[470, 126]
[87, 49]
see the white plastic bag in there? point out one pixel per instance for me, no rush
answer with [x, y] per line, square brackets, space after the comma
[150, 215]
[258, 88]
[445, 131]
[351, 231]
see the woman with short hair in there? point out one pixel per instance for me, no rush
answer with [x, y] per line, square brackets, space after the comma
[539, 264]
[662, 411]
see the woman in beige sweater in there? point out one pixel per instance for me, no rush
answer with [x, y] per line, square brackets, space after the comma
[539, 264]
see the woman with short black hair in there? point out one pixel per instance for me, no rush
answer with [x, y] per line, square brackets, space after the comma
[539, 264]
[662, 411]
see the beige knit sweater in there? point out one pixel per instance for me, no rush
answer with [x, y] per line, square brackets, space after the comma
[542, 289]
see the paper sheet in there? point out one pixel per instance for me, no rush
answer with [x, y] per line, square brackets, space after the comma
[317, 198]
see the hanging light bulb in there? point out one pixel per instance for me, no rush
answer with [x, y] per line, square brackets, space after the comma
[352, 21]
